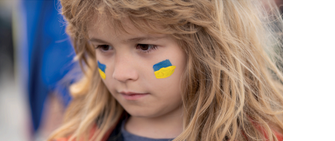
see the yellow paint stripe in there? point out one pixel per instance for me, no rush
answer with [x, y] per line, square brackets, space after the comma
[165, 72]
[102, 74]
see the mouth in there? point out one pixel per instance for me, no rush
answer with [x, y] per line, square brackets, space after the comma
[132, 95]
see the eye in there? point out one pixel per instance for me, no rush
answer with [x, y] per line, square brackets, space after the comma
[146, 47]
[104, 48]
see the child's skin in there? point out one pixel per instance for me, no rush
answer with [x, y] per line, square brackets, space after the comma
[156, 112]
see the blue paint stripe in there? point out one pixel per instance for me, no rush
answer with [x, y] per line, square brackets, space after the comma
[102, 67]
[163, 64]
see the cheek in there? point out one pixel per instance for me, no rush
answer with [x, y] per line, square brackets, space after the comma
[102, 70]
[163, 69]
[170, 85]
[174, 67]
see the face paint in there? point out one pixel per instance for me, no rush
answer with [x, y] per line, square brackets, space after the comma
[163, 69]
[102, 68]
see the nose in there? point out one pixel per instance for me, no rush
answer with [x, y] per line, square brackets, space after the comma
[124, 69]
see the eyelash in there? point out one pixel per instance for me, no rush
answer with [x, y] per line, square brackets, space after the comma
[138, 46]
[150, 47]
[101, 47]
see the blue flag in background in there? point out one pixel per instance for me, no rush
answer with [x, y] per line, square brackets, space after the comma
[45, 53]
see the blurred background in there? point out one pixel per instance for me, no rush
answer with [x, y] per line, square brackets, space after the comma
[13, 106]
[35, 59]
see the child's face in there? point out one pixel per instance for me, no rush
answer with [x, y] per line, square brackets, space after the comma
[129, 73]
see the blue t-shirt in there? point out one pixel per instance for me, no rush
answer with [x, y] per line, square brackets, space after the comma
[131, 137]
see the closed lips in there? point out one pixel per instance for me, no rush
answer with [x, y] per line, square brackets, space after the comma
[132, 93]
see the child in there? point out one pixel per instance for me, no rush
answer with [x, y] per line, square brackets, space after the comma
[158, 70]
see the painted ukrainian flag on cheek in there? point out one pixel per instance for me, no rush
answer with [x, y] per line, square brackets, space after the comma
[163, 69]
[102, 69]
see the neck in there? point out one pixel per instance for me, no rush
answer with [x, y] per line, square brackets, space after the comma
[169, 125]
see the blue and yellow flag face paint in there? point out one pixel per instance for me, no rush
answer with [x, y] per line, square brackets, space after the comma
[163, 69]
[102, 68]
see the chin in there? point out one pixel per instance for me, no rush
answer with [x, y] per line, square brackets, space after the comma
[141, 113]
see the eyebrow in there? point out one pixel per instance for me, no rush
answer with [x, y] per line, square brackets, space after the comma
[138, 39]
[135, 39]
[97, 40]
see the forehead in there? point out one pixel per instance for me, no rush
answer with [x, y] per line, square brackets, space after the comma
[102, 25]
[105, 28]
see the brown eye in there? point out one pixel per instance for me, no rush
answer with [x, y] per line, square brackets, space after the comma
[104, 47]
[145, 47]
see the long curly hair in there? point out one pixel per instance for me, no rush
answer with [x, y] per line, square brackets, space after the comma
[233, 83]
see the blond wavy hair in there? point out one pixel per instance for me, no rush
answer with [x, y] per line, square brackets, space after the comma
[233, 83]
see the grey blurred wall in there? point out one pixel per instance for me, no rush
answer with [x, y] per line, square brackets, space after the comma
[13, 111]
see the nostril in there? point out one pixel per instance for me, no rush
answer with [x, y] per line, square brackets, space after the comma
[124, 76]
